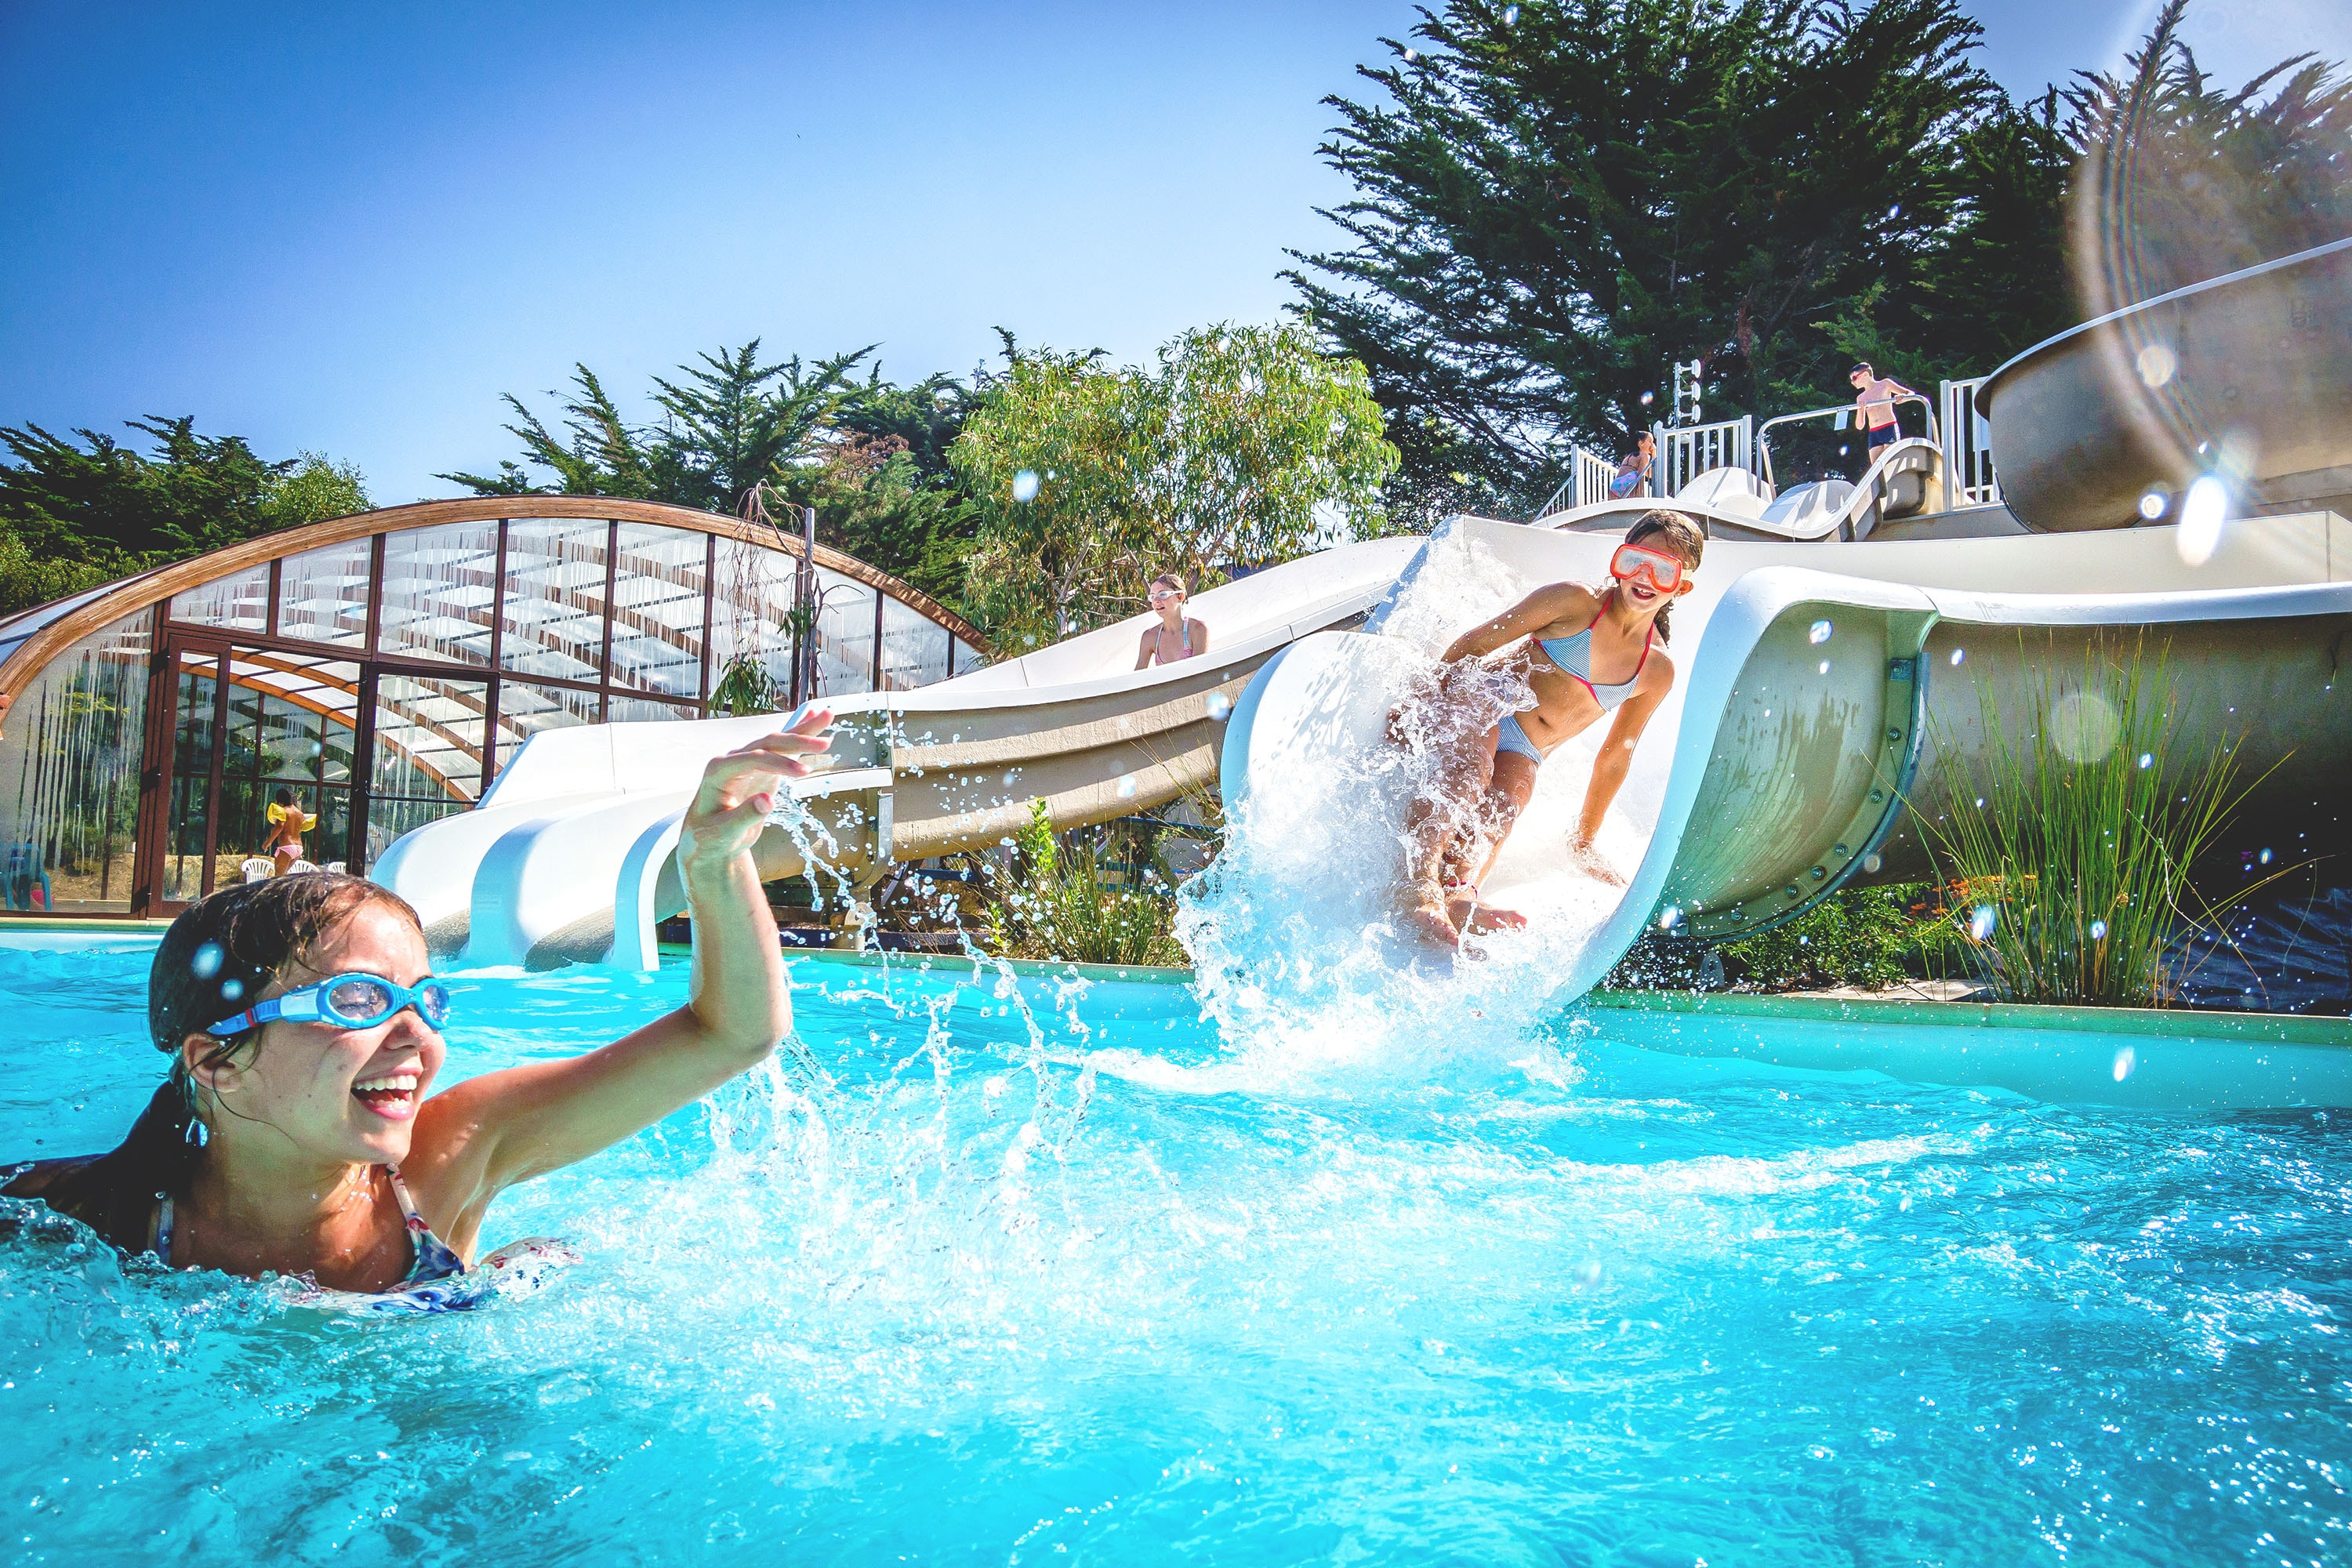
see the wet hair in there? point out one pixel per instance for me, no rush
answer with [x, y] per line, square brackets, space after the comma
[1170, 579]
[1682, 539]
[214, 961]
[1861, 367]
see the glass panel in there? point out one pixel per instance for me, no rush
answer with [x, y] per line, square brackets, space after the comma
[968, 657]
[293, 739]
[914, 647]
[428, 740]
[240, 602]
[643, 709]
[437, 589]
[525, 711]
[657, 610]
[555, 599]
[196, 719]
[388, 819]
[69, 765]
[322, 594]
[752, 609]
[240, 852]
[844, 635]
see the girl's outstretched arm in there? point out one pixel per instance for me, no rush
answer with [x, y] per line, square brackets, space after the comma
[502, 1128]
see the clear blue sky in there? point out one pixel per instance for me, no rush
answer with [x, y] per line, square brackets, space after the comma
[351, 227]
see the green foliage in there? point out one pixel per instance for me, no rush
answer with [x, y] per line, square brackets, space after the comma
[1556, 201]
[868, 455]
[1869, 938]
[744, 686]
[1553, 207]
[75, 513]
[2072, 877]
[1221, 456]
[1056, 903]
[2181, 181]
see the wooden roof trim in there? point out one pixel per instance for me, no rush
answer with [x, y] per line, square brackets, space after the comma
[159, 584]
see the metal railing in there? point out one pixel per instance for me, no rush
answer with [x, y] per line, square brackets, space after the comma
[1764, 436]
[1687, 451]
[1969, 476]
[1589, 477]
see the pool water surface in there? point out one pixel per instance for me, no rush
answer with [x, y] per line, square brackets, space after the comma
[988, 1272]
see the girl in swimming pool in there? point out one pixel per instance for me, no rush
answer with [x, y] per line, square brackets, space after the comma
[295, 1134]
[1589, 651]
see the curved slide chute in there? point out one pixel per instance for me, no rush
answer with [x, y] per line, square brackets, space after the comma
[568, 857]
[1780, 767]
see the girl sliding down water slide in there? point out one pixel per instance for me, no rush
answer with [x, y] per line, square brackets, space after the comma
[294, 1134]
[1589, 651]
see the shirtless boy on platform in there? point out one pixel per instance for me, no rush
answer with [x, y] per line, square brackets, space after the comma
[1874, 406]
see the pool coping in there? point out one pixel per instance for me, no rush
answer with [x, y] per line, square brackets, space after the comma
[2170, 1023]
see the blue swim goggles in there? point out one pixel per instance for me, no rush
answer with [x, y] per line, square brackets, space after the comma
[347, 1001]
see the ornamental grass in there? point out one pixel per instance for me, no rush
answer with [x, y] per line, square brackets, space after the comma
[2066, 859]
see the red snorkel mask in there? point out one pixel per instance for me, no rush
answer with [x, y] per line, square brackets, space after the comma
[1635, 560]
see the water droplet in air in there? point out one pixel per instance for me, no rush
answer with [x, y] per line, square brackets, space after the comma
[1981, 922]
[2152, 504]
[2125, 1061]
[2099, 931]
[1870, 863]
[1894, 211]
[1127, 786]
[2156, 364]
[1221, 706]
[1825, 667]
[2146, 760]
[1819, 632]
[1980, 803]
[2264, 857]
[206, 960]
[1648, 398]
[1669, 918]
[232, 989]
[1410, 56]
[1025, 486]
[1510, 15]
[1959, 655]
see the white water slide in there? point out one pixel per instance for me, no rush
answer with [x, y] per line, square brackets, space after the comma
[1771, 778]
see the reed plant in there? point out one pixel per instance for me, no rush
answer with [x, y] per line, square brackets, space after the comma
[2066, 857]
[1053, 901]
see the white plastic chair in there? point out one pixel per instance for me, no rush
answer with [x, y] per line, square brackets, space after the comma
[257, 869]
[299, 865]
[336, 867]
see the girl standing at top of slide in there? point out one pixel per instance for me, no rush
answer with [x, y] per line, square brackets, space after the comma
[1588, 651]
[1177, 636]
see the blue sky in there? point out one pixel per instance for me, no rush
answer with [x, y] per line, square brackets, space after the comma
[352, 228]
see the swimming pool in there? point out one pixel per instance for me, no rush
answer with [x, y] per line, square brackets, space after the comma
[940, 1288]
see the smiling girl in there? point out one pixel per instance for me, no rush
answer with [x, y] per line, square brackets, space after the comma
[1588, 652]
[298, 1132]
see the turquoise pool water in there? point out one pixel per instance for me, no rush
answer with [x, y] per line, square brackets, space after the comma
[987, 1275]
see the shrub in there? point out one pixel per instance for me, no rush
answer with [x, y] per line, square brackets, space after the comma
[1866, 937]
[1055, 902]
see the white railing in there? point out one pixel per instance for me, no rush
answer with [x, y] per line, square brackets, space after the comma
[1588, 474]
[1969, 478]
[1687, 451]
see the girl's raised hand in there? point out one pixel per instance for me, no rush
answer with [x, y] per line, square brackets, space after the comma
[738, 789]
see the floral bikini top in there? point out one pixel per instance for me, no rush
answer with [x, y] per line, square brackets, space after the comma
[438, 1278]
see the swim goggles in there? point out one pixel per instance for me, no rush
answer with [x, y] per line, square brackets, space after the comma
[347, 1001]
[1664, 571]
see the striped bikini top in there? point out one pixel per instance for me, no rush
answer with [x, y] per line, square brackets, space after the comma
[1573, 655]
